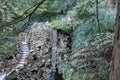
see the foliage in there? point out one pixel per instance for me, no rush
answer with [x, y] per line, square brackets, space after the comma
[81, 62]
[87, 26]
[61, 5]
[4, 49]
[105, 72]
[54, 23]
[66, 28]
[15, 8]
[82, 9]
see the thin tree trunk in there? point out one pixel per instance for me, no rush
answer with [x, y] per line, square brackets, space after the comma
[115, 70]
[97, 17]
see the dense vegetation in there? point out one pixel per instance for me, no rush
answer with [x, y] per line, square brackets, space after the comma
[88, 25]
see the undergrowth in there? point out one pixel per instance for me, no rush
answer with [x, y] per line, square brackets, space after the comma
[88, 62]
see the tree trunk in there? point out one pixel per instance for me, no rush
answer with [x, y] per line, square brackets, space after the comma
[115, 70]
[110, 4]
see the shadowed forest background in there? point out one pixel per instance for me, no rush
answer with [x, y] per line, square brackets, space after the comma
[59, 39]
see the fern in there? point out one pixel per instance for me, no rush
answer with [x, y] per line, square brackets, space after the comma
[81, 60]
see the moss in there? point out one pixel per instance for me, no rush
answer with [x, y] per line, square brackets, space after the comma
[54, 23]
[66, 28]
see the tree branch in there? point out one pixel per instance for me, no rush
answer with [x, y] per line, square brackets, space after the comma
[23, 18]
